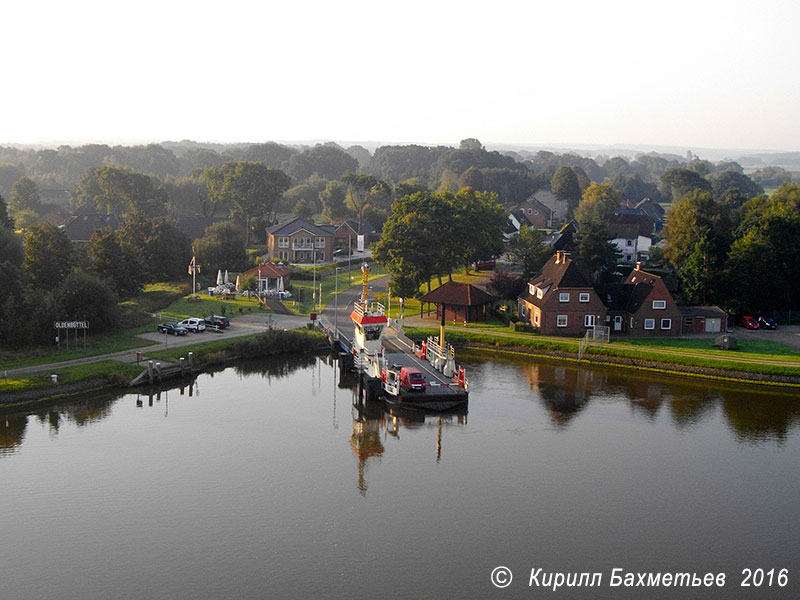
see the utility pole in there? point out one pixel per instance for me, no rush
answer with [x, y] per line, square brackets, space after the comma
[336, 316]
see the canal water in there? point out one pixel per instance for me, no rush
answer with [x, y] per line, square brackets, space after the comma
[274, 480]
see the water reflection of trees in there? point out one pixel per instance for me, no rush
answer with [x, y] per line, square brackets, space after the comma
[753, 414]
[12, 432]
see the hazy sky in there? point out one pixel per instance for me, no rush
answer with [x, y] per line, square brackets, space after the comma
[689, 74]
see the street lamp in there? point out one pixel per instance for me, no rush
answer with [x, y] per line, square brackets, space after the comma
[336, 307]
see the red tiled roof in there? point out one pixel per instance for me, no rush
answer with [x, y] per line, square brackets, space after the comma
[458, 294]
[266, 270]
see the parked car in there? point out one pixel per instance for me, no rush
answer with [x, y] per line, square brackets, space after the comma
[173, 328]
[767, 322]
[748, 323]
[484, 265]
[194, 324]
[217, 321]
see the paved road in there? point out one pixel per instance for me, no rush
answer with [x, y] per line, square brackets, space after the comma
[241, 326]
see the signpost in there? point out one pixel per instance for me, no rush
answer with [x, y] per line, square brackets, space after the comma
[66, 326]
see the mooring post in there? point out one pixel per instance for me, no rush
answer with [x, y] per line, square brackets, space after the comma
[181, 362]
[158, 370]
[150, 370]
[191, 361]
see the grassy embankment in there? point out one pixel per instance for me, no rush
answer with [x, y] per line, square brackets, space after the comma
[755, 357]
[110, 370]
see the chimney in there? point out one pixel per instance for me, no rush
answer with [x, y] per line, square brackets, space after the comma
[638, 266]
[559, 256]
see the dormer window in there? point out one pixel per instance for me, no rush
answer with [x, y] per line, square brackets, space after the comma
[531, 289]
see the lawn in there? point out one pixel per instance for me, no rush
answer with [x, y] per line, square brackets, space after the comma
[103, 369]
[765, 348]
[303, 301]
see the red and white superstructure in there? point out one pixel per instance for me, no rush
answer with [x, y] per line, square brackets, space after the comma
[369, 321]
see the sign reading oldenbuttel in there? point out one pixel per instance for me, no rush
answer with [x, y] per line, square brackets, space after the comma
[71, 325]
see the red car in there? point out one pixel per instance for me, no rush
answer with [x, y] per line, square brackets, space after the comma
[749, 323]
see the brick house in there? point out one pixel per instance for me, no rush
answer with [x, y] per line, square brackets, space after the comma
[642, 306]
[348, 232]
[539, 215]
[299, 241]
[560, 300]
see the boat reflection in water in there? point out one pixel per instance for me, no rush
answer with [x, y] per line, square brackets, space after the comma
[375, 421]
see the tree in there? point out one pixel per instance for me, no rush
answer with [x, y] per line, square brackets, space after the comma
[328, 162]
[251, 189]
[117, 264]
[530, 250]
[9, 174]
[414, 240]
[595, 252]
[470, 144]
[304, 210]
[478, 225]
[333, 202]
[680, 182]
[359, 188]
[599, 202]
[309, 191]
[566, 188]
[48, 256]
[222, 247]
[11, 248]
[726, 181]
[24, 196]
[85, 296]
[506, 286]
[5, 219]
[125, 191]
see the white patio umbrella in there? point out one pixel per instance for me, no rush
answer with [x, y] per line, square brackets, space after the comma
[226, 276]
[219, 277]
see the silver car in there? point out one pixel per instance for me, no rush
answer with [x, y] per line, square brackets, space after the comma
[194, 324]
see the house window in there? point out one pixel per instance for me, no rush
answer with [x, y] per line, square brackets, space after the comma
[536, 212]
[320, 242]
[659, 304]
[629, 242]
[588, 321]
[283, 242]
[666, 323]
[563, 297]
[688, 321]
[649, 323]
[539, 293]
[531, 289]
[628, 258]
[561, 320]
[583, 297]
[283, 255]
[536, 319]
[529, 211]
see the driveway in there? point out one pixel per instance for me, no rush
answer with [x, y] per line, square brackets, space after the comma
[784, 334]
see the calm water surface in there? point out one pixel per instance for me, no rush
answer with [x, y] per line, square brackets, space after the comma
[274, 481]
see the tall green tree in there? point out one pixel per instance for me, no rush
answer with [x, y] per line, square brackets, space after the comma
[566, 189]
[252, 190]
[49, 256]
[117, 264]
[333, 197]
[222, 247]
[479, 222]
[5, 219]
[599, 202]
[85, 296]
[530, 250]
[25, 196]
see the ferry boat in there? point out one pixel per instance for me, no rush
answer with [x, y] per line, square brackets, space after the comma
[437, 385]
